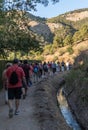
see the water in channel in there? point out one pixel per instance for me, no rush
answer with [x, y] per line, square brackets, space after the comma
[65, 110]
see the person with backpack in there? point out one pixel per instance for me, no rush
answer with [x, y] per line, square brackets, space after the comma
[45, 69]
[14, 75]
[36, 71]
[62, 66]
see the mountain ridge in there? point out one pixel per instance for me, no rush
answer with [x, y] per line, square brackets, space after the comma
[47, 27]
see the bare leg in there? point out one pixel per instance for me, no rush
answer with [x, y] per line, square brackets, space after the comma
[10, 108]
[6, 96]
[17, 104]
[10, 104]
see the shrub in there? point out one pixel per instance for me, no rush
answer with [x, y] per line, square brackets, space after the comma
[70, 50]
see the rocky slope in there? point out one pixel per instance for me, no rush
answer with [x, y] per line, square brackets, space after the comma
[77, 16]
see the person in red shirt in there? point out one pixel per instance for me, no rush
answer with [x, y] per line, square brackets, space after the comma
[15, 91]
[26, 69]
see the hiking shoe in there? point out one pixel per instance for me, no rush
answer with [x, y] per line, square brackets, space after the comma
[16, 112]
[10, 113]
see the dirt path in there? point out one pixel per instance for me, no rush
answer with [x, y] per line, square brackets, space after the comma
[30, 117]
[24, 121]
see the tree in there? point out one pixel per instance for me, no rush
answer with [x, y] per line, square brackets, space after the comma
[68, 40]
[12, 38]
[84, 32]
[76, 37]
[27, 5]
[15, 36]
[81, 34]
[58, 41]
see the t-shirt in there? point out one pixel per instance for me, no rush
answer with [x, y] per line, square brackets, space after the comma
[26, 69]
[20, 74]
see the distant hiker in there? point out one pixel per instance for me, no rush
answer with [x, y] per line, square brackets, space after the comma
[53, 67]
[45, 69]
[58, 68]
[67, 65]
[31, 75]
[40, 70]
[70, 65]
[36, 72]
[5, 82]
[62, 66]
[49, 67]
[15, 86]
[26, 69]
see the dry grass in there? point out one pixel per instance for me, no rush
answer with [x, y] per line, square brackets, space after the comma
[62, 53]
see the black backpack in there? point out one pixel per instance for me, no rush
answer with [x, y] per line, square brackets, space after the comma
[13, 78]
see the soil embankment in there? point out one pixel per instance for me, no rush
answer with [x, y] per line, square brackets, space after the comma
[78, 105]
[39, 111]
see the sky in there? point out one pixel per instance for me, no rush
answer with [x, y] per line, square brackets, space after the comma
[61, 7]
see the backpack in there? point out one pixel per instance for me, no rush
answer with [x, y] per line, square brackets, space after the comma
[35, 69]
[13, 78]
[45, 67]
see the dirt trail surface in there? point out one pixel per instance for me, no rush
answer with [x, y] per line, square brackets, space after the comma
[39, 111]
[25, 120]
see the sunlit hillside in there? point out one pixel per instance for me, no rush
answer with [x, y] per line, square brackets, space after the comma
[58, 37]
[65, 53]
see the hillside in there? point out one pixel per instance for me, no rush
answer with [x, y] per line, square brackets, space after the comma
[63, 37]
[56, 36]
[47, 27]
[64, 54]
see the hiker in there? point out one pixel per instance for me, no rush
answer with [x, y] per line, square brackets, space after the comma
[45, 69]
[15, 86]
[53, 67]
[26, 69]
[62, 66]
[49, 67]
[36, 72]
[5, 82]
[31, 75]
[67, 65]
[40, 70]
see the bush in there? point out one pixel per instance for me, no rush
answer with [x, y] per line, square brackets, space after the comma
[70, 50]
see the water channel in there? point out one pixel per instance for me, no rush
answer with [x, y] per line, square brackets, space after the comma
[66, 112]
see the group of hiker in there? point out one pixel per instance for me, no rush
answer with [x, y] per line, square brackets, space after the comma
[18, 76]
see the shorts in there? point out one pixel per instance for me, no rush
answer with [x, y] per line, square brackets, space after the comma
[14, 93]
